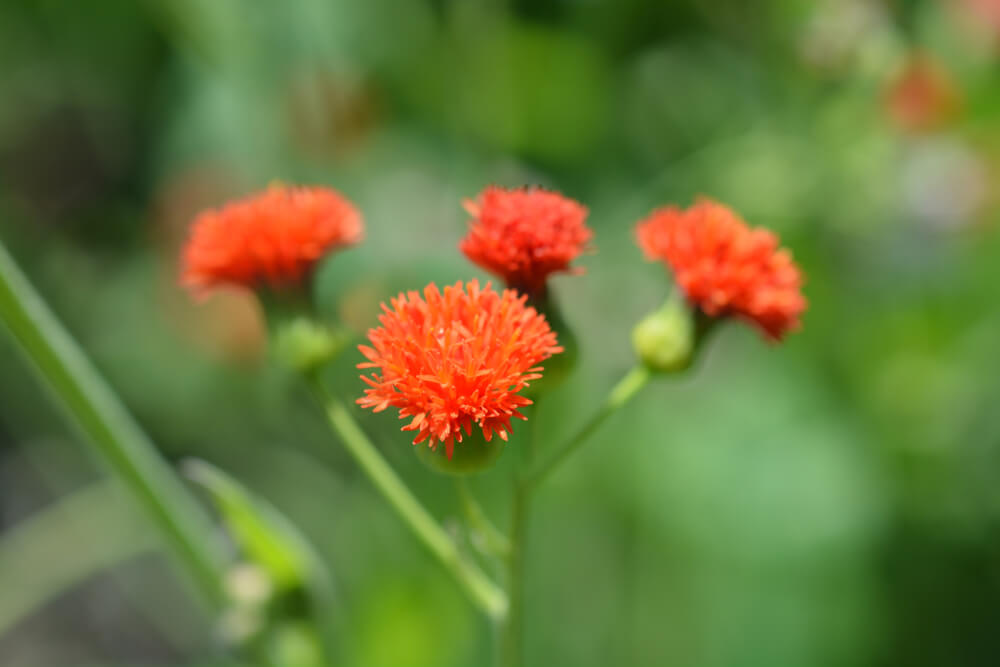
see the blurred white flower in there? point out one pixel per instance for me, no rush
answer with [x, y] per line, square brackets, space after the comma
[248, 584]
[943, 181]
[840, 31]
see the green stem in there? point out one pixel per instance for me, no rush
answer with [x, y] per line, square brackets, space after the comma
[512, 639]
[116, 438]
[480, 588]
[493, 541]
[619, 395]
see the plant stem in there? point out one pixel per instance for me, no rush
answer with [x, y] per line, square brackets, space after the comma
[619, 395]
[480, 588]
[117, 439]
[526, 480]
[493, 541]
[512, 640]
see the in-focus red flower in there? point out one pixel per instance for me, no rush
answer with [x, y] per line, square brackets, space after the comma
[272, 239]
[455, 359]
[523, 235]
[725, 267]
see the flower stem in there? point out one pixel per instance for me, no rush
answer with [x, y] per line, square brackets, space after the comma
[619, 395]
[116, 438]
[512, 640]
[480, 588]
[494, 543]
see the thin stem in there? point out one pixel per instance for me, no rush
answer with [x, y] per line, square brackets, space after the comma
[480, 588]
[512, 641]
[493, 541]
[619, 395]
[116, 438]
[512, 638]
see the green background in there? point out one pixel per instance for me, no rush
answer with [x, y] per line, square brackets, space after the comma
[830, 501]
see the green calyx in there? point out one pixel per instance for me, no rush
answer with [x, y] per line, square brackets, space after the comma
[665, 340]
[305, 345]
[473, 455]
[300, 340]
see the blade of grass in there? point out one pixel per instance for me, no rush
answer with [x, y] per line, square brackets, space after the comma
[116, 438]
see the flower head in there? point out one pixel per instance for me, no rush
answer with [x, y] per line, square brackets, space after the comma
[525, 234]
[453, 359]
[724, 267]
[272, 238]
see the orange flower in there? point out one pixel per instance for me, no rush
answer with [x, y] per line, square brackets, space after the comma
[985, 14]
[453, 359]
[525, 234]
[923, 96]
[273, 238]
[725, 267]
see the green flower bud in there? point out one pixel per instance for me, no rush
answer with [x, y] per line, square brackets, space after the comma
[665, 340]
[296, 644]
[304, 345]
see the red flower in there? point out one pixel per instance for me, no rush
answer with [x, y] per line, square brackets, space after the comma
[525, 234]
[725, 267]
[922, 97]
[272, 238]
[453, 359]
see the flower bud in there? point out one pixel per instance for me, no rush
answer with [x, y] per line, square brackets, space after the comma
[296, 644]
[665, 340]
[304, 345]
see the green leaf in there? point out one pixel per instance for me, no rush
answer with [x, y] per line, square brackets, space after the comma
[268, 539]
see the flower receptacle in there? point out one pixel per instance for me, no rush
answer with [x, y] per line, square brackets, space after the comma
[473, 455]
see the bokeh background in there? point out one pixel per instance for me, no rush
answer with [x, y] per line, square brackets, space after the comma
[831, 501]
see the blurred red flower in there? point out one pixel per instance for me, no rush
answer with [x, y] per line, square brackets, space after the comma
[725, 267]
[922, 97]
[453, 359]
[985, 13]
[273, 238]
[525, 234]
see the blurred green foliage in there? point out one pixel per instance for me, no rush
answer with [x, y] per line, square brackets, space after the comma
[832, 501]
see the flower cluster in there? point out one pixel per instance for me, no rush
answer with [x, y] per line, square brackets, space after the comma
[524, 235]
[270, 239]
[457, 359]
[725, 267]
[453, 359]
